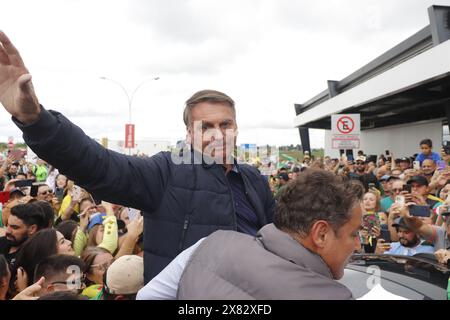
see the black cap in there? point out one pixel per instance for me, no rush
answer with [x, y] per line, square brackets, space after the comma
[404, 159]
[296, 169]
[16, 163]
[284, 176]
[418, 179]
[400, 222]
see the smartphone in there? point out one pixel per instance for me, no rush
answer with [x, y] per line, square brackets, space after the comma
[407, 187]
[441, 165]
[76, 193]
[400, 200]
[23, 183]
[420, 210]
[446, 147]
[416, 165]
[370, 221]
[385, 234]
[386, 152]
[34, 190]
[59, 193]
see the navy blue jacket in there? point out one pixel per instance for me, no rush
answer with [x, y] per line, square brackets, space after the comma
[181, 203]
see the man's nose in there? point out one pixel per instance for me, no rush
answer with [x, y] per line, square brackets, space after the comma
[216, 134]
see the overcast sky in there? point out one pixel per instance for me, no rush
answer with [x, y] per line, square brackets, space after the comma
[266, 54]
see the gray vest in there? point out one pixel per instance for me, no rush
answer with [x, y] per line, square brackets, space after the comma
[230, 265]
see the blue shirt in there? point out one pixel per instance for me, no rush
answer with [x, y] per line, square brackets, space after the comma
[398, 249]
[386, 204]
[247, 220]
[433, 156]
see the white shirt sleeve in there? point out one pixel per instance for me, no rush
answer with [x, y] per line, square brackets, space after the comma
[165, 285]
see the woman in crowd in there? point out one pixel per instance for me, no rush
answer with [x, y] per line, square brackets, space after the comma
[373, 220]
[96, 262]
[43, 244]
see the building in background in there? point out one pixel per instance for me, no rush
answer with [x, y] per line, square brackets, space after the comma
[403, 96]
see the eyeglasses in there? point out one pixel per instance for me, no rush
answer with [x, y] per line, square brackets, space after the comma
[397, 190]
[102, 266]
[359, 162]
[72, 283]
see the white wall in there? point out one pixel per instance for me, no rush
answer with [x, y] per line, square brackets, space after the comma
[402, 140]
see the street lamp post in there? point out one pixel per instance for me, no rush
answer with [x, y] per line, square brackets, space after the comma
[129, 97]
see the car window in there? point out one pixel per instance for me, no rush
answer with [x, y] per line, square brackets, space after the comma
[404, 277]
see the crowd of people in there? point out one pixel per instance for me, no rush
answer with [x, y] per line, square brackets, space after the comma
[197, 224]
[48, 226]
[51, 225]
[421, 181]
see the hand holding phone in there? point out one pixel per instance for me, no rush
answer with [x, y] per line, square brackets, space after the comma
[400, 201]
[416, 165]
[382, 246]
[441, 165]
[407, 188]
[76, 193]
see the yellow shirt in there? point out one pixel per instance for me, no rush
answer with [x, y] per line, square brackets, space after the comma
[66, 203]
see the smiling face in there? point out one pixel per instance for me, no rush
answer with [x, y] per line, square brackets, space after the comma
[428, 166]
[64, 246]
[61, 181]
[213, 130]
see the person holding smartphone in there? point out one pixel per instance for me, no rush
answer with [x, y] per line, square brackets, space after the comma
[439, 236]
[408, 243]
[420, 193]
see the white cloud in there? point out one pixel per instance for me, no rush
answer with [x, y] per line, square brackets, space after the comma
[266, 54]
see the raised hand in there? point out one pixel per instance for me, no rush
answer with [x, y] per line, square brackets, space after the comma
[30, 293]
[136, 227]
[16, 90]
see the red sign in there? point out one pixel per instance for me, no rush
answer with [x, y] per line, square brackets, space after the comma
[129, 136]
[345, 125]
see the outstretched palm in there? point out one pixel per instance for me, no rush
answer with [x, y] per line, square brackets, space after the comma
[16, 90]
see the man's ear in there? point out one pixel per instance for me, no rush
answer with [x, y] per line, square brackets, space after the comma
[48, 288]
[32, 230]
[320, 233]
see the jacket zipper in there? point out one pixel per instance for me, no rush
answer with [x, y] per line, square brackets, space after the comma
[183, 232]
